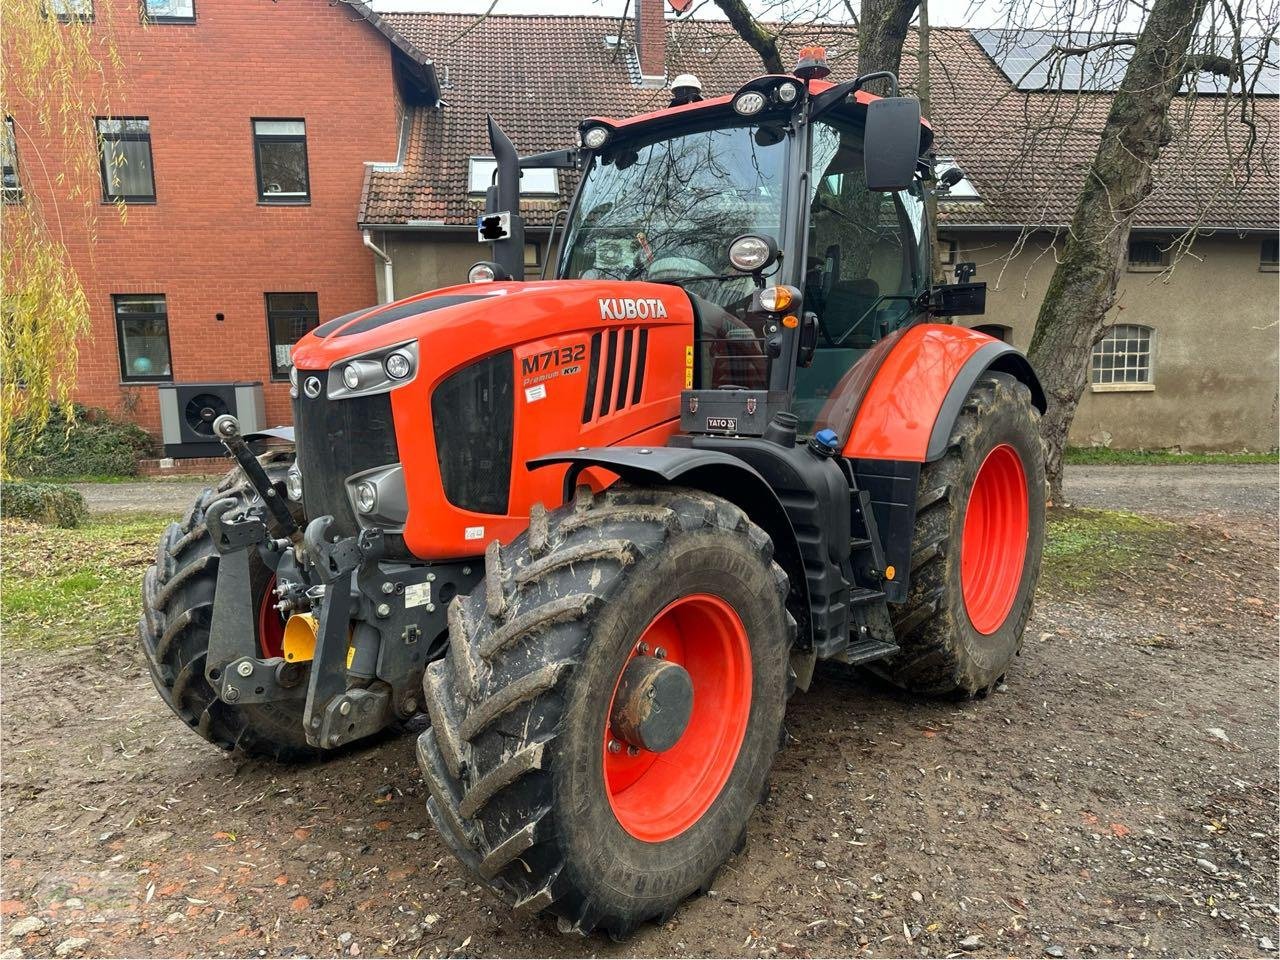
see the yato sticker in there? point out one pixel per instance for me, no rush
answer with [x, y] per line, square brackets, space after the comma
[535, 393]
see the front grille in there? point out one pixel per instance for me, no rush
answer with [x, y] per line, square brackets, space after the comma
[338, 438]
[471, 413]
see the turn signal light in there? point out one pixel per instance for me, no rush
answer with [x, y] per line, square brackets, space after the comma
[775, 299]
[791, 321]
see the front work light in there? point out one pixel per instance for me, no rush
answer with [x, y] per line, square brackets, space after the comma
[749, 253]
[787, 92]
[595, 137]
[749, 104]
[351, 376]
[398, 366]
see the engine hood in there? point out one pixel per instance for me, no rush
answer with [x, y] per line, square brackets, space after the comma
[469, 321]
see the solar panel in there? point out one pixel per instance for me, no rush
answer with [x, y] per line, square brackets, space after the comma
[1028, 59]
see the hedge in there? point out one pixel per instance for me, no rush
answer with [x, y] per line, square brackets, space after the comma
[95, 445]
[52, 504]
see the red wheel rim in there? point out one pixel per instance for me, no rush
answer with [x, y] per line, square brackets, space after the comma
[994, 548]
[657, 796]
[270, 624]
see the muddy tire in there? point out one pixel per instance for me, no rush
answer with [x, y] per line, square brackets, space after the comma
[524, 786]
[976, 550]
[177, 605]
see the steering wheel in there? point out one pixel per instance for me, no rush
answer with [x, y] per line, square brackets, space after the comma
[672, 268]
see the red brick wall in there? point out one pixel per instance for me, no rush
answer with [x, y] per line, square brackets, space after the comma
[206, 243]
[651, 37]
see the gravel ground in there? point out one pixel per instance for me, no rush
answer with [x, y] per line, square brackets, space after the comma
[1167, 491]
[165, 495]
[1175, 491]
[1117, 798]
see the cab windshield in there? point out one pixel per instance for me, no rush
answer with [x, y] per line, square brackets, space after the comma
[666, 210]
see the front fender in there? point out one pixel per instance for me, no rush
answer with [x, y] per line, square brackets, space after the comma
[916, 393]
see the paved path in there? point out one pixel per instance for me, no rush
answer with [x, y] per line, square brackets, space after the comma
[1177, 491]
[1170, 491]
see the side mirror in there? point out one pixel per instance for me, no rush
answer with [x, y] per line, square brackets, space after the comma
[891, 143]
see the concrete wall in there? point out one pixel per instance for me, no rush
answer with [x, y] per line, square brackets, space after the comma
[1214, 350]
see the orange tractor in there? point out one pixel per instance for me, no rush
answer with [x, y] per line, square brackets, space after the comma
[599, 527]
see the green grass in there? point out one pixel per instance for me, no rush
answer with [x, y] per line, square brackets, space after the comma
[1103, 455]
[109, 478]
[68, 588]
[1084, 547]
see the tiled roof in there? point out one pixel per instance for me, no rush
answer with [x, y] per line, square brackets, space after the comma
[1026, 153]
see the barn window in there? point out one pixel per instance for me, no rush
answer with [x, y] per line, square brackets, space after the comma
[1122, 359]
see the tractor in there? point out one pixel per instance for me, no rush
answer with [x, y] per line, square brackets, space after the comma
[599, 527]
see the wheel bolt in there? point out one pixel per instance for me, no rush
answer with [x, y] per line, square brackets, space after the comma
[633, 751]
[644, 648]
[615, 746]
[661, 653]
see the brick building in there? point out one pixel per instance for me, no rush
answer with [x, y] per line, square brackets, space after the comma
[238, 142]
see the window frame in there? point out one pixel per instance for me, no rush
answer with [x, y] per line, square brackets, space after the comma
[479, 191]
[125, 375]
[145, 17]
[1162, 246]
[14, 194]
[1265, 265]
[1126, 386]
[72, 17]
[276, 199]
[104, 139]
[271, 329]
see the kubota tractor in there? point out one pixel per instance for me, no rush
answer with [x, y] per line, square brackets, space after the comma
[601, 526]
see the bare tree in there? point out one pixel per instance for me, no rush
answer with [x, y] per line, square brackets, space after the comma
[1120, 177]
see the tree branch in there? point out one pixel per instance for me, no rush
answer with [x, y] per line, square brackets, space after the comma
[756, 37]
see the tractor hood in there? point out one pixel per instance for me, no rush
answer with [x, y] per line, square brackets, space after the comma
[459, 324]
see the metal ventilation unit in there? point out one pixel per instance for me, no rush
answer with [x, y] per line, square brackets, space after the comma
[187, 412]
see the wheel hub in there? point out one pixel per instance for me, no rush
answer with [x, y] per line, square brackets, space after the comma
[652, 706]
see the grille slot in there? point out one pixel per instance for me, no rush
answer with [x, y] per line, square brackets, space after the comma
[615, 374]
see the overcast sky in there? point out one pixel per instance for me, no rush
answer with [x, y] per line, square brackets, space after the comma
[944, 13]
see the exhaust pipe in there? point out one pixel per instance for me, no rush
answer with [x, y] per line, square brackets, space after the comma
[509, 251]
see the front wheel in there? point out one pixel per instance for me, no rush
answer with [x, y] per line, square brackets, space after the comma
[611, 704]
[975, 555]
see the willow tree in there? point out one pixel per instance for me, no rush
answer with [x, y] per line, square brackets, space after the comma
[58, 66]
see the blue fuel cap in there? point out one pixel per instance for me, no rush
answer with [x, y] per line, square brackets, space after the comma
[825, 443]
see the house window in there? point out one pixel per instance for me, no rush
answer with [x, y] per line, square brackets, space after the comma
[532, 254]
[1269, 256]
[142, 331]
[946, 251]
[12, 185]
[169, 11]
[125, 160]
[280, 155]
[1122, 359]
[1147, 255]
[962, 190]
[289, 317]
[68, 10]
[539, 182]
[999, 331]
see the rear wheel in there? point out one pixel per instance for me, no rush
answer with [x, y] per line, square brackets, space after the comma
[610, 706]
[177, 603]
[976, 551]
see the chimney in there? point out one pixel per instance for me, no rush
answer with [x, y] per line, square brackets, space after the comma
[651, 42]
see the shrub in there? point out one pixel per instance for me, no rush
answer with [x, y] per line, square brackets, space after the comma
[52, 504]
[96, 445]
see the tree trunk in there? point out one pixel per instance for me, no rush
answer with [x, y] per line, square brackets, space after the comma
[1083, 287]
[882, 30]
[764, 43]
[924, 89]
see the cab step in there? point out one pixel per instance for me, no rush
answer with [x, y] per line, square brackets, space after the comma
[864, 651]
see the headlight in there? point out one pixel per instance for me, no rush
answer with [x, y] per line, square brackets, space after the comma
[366, 497]
[293, 483]
[398, 366]
[750, 253]
[595, 137]
[749, 103]
[351, 376]
[482, 272]
[787, 92]
[774, 299]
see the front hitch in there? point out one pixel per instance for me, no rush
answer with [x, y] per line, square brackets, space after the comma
[279, 517]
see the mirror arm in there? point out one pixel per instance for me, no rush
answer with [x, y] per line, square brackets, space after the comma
[829, 98]
[558, 159]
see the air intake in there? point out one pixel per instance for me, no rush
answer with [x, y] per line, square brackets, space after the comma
[615, 375]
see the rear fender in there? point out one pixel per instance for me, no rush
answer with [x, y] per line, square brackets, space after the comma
[713, 472]
[916, 393]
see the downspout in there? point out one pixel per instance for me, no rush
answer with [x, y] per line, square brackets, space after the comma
[388, 285]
